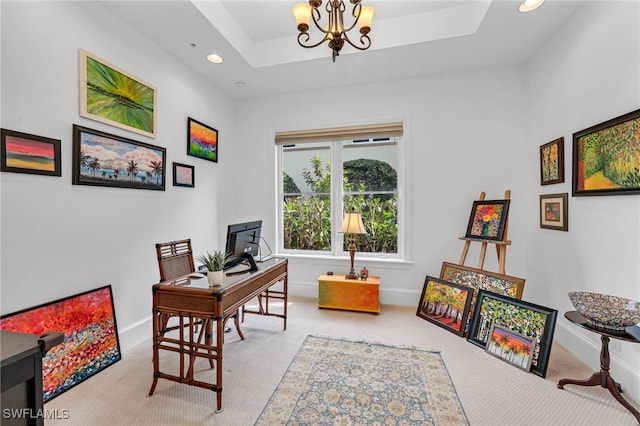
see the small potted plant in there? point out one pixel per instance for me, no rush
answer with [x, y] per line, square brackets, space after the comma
[214, 262]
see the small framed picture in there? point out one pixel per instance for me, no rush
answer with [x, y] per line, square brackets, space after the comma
[202, 140]
[445, 304]
[511, 347]
[488, 219]
[554, 211]
[183, 175]
[552, 162]
[25, 153]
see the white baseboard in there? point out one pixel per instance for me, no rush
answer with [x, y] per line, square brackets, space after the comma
[588, 352]
[135, 334]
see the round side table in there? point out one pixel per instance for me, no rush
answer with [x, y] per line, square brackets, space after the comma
[602, 377]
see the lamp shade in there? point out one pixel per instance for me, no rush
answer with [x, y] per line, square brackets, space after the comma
[366, 16]
[352, 224]
[302, 12]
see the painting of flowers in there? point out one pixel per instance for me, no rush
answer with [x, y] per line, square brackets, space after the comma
[202, 140]
[511, 347]
[552, 162]
[488, 219]
[113, 96]
[90, 344]
[25, 153]
[606, 157]
[102, 159]
[445, 304]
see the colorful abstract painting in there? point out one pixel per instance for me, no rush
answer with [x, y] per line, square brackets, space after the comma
[25, 153]
[488, 219]
[552, 162]
[528, 319]
[91, 337]
[102, 159]
[112, 96]
[202, 140]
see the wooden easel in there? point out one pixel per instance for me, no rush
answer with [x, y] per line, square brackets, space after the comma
[501, 246]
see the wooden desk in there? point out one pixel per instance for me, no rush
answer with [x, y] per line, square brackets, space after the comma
[602, 377]
[192, 300]
[337, 292]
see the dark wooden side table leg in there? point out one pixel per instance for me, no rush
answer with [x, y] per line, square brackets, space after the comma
[604, 379]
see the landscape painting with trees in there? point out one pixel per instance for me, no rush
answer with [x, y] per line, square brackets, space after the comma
[102, 159]
[445, 304]
[606, 157]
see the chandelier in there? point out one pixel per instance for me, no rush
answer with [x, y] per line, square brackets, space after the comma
[335, 32]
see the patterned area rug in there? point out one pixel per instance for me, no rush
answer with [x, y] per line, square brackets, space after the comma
[340, 382]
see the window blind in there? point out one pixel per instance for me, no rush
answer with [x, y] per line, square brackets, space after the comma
[369, 131]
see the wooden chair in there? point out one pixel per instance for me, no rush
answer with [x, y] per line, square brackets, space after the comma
[175, 258]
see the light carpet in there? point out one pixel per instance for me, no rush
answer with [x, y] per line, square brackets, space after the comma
[342, 382]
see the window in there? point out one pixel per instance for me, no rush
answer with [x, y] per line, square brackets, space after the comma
[325, 173]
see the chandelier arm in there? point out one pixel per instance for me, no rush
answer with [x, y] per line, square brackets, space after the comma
[301, 43]
[356, 15]
[364, 39]
[315, 17]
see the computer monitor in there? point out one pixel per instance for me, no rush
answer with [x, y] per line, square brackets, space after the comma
[242, 239]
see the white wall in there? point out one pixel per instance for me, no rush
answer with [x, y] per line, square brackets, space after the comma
[59, 239]
[464, 134]
[587, 74]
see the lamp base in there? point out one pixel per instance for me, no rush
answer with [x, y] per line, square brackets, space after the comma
[351, 276]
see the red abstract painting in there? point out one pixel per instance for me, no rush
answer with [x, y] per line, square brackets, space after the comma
[91, 338]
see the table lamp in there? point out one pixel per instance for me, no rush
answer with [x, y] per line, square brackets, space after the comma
[352, 225]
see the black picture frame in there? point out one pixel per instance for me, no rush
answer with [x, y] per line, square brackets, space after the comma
[104, 159]
[31, 154]
[440, 299]
[184, 175]
[522, 317]
[606, 158]
[91, 342]
[554, 211]
[202, 140]
[488, 220]
[552, 162]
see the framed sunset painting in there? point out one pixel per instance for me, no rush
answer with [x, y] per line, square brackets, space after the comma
[202, 140]
[25, 153]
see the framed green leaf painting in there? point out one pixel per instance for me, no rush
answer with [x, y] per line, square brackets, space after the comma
[112, 96]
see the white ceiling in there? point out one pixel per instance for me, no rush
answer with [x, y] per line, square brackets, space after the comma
[258, 40]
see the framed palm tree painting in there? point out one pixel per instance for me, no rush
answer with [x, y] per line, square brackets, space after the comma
[103, 159]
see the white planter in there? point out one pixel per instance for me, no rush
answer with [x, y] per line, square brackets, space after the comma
[215, 277]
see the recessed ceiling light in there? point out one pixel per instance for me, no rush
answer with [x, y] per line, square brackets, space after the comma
[214, 58]
[529, 5]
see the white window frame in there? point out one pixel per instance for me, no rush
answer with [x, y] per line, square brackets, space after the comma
[336, 148]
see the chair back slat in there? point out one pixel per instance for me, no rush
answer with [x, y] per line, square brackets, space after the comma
[175, 258]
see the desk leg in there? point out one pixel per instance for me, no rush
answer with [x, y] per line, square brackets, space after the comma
[285, 288]
[156, 362]
[219, 343]
[604, 379]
